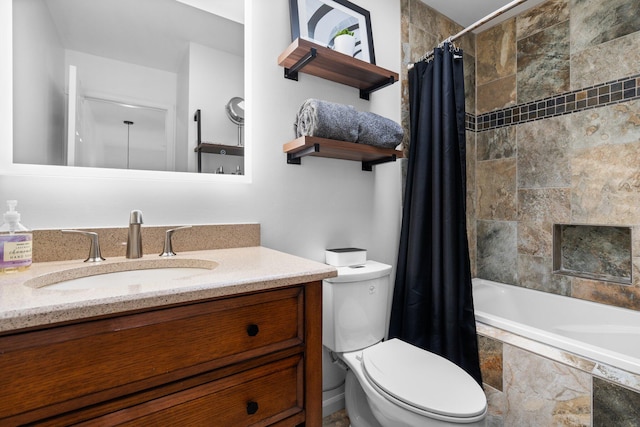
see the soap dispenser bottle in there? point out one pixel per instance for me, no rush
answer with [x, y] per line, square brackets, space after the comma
[15, 242]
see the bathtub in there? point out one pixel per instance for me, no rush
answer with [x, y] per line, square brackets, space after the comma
[598, 332]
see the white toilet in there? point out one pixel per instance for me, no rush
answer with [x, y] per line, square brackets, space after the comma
[390, 383]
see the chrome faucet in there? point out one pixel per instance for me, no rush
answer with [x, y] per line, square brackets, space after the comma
[134, 240]
[94, 249]
[168, 247]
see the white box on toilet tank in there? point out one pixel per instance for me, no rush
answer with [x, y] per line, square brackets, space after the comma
[354, 306]
[342, 257]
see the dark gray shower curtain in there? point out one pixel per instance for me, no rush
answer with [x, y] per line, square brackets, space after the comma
[432, 302]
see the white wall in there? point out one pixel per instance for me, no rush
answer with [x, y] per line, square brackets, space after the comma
[40, 74]
[214, 78]
[123, 80]
[184, 118]
[302, 209]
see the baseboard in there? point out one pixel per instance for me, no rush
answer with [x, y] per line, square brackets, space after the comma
[332, 404]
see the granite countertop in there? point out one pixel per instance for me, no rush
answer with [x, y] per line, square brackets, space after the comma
[26, 301]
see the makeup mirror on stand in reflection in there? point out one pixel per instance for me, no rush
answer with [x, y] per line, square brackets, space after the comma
[113, 85]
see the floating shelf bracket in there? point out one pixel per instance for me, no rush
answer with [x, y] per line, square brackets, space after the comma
[294, 158]
[368, 165]
[364, 93]
[197, 117]
[292, 73]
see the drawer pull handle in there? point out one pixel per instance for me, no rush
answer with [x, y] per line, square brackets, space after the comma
[252, 330]
[252, 408]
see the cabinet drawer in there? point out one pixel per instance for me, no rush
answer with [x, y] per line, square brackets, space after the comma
[260, 396]
[108, 358]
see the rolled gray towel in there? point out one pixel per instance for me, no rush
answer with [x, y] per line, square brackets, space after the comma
[379, 131]
[326, 119]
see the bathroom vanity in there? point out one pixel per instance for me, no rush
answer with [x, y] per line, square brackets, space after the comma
[240, 345]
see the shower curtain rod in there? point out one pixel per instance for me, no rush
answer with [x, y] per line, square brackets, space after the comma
[473, 26]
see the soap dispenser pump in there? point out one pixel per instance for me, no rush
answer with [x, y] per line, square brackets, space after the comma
[15, 242]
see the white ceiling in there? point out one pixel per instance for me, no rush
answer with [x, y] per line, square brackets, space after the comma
[467, 12]
[152, 33]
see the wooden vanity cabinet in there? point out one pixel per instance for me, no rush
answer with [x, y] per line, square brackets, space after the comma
[250, 359]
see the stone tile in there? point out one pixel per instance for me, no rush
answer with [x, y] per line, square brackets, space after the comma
[606, 185]
[593, 65]
[614, 405]
[497, 251]
[496, 407]
[543, 63]
[600, 252]
[471, 198]
[558, 355]
[467, 43]
[469, 83]
[404, 27]
[496, 189]
[496, 95]
[497, 143]
[422, 15]
[538, 210]
[431, 21]
[496, 52]
[613, 124]
[594, 22]
[544, 393]
[606, 293]
[543, 153]
[549, 13]
[537, 273]
[490, 352]
[617, 376]
[420, 42]
[635, 241]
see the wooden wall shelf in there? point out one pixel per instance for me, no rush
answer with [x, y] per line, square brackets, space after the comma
[331, 148]
[229, 150]
[308, 57]
[208, 147]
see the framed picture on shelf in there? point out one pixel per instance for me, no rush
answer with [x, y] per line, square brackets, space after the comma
[320, 20]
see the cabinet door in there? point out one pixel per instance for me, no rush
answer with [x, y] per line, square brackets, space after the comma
[260, 396]
[68, 367]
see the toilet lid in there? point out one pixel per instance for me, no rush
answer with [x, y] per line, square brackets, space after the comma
[423, 380]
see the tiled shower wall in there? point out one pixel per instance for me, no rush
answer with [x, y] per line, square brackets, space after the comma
[554, 135]
[422, 29]
[554, 138]
[558, 141]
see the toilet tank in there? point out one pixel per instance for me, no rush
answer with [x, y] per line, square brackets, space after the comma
[354, 306]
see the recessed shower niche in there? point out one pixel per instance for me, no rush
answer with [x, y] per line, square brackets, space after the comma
[593, 252]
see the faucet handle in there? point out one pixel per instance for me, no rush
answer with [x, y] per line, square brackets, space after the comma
[94, 249]
[168, 249]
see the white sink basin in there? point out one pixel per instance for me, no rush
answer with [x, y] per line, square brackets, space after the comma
[130, 278]
[143, 273]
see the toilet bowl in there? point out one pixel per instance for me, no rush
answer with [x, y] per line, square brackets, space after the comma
[391, 383]
[409, 387]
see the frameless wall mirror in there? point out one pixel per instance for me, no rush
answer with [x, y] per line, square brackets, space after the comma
[115, 84]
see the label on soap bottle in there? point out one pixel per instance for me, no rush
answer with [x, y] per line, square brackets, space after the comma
[15, 251]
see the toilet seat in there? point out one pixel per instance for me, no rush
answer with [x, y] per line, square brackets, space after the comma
[436, 387]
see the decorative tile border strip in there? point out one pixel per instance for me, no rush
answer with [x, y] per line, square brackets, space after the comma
[600, 95]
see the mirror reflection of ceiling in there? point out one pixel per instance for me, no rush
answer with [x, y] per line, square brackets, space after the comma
[152, 33]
